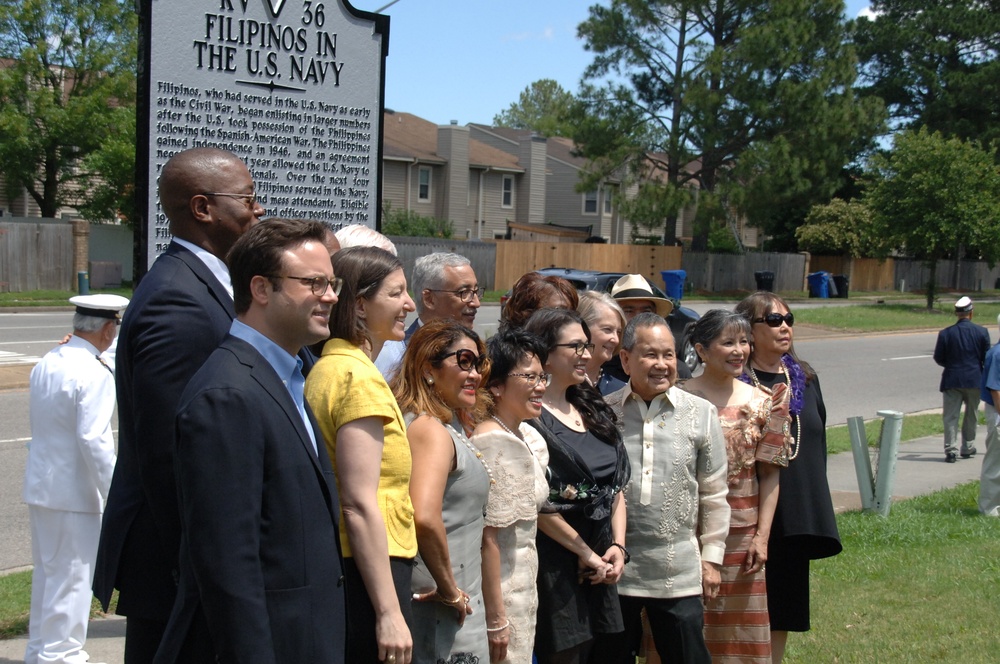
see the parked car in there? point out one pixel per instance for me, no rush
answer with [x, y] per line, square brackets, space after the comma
[604, 281]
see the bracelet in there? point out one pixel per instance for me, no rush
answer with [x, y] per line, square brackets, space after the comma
[500, 628]
[453, 602]
[628, 556]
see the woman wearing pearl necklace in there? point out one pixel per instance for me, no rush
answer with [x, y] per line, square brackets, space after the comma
[804, 526]
[518, 457]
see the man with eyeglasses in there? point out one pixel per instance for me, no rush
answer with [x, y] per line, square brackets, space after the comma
[181, 311]
[259, 564]
[678, 516]
[444, 287]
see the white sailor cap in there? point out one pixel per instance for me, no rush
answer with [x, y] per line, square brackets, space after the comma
[964, 305]
[101, 305]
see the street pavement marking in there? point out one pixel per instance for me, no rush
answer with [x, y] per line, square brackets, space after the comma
[908, 357]
[25, 343]
[8, 359]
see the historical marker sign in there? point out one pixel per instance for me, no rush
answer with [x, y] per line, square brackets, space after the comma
[294, 87]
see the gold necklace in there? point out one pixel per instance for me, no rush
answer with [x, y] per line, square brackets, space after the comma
[798, 418]
[552, 407]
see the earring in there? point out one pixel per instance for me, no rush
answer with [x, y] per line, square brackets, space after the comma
[430, 380]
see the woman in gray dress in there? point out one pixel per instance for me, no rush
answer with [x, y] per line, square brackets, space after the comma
[438, 390]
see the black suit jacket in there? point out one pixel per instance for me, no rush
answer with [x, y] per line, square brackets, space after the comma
[961, 349]
[260, 560]
[178, 316]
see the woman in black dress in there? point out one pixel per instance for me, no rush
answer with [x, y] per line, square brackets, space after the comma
[579, 560]
[804, 526]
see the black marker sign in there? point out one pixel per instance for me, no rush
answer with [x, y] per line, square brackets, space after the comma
[294, 87]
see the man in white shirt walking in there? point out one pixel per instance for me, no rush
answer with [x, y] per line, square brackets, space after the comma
[70, 461]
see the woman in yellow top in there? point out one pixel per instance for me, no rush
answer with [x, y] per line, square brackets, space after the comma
[366, 438]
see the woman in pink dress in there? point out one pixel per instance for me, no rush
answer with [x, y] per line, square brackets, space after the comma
[755, 425]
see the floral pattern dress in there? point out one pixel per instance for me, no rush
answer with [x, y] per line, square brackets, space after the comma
[737, 628]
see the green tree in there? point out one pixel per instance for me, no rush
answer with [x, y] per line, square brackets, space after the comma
[841, 227]
[934, 64]
[70, 68]
[543, 107]
[749, 100]
[108, 180]
[933, 197]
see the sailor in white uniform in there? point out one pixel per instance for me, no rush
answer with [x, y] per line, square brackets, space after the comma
[70, 461]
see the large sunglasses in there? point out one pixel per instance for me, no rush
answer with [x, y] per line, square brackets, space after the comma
[775, 320]
[466, 360]
[579, 347]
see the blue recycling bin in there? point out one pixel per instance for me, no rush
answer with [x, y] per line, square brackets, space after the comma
[819, 284]
[674, 281]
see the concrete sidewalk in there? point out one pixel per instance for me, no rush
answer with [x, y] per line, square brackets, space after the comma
[920, 469]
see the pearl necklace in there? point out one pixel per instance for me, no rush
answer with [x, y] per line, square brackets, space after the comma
[798, 418]
[479, 455]
[516, 434]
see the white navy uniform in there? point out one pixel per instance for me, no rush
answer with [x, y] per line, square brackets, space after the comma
[71, 458]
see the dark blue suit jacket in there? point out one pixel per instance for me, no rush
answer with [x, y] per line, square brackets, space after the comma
[177, 318]
[260, 565]
[961, 349]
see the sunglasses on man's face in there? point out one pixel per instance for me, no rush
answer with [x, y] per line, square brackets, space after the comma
[466, 360]
[775, 320]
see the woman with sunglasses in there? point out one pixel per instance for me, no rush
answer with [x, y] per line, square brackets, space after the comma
[804, 527]
[755, 425]
[366, 439]
[438, 389]
[581, 546]
[516, 453]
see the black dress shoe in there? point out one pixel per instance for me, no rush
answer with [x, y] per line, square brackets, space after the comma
[969, 453]
[951, 457]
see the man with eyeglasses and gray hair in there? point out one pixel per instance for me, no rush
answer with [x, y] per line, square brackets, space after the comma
[444, 287]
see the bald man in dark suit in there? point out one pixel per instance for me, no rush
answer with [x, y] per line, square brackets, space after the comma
[181, 311]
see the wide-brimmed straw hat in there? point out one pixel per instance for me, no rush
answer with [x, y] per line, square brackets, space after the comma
[635, 287]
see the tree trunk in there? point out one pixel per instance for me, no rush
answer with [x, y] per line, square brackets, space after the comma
[931, 283]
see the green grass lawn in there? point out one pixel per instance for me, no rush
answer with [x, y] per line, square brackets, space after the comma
[920, 586]
[51, 298]
[888, 317]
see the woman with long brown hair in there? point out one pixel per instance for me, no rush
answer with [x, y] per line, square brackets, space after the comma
[581, 547]
[534, 291]
[438, 390]
[366, 438]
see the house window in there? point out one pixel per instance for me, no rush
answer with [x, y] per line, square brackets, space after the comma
[424, 184]
[507, 196]
[607, 202]
[590, 202]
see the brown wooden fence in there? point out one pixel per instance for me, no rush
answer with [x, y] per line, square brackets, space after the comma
[36, 256]
[863, 274]
[514, 259]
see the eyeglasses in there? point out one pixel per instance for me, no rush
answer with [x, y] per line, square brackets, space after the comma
[466, 359]
[775, 320]
[579, 347]
[251, 199]
[318, 285]
[465, 294]
[535, 379]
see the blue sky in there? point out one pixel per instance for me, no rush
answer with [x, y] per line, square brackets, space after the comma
[494, 50]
